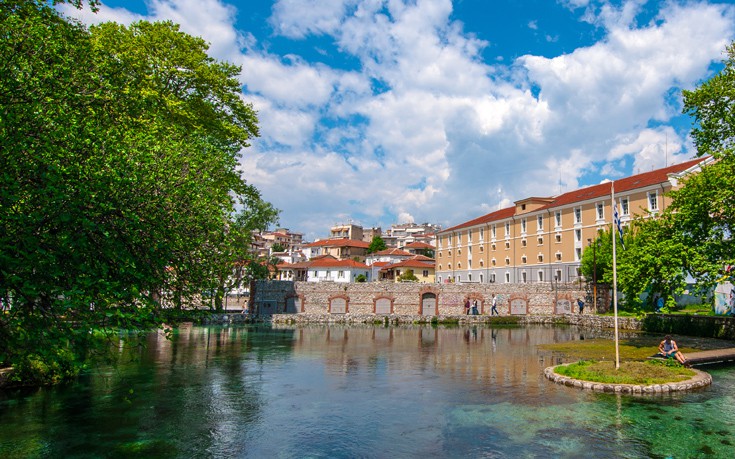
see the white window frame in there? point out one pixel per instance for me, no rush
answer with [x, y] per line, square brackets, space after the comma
[540, 222]
[557, 217]
[624, 207]
[577, 215]
[653, 200]
[600, 210]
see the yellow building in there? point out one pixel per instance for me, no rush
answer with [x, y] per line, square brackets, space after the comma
[541, 239]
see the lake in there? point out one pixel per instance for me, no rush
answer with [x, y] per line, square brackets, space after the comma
[361, 391]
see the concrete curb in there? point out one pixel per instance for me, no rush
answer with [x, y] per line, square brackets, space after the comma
[700, 379]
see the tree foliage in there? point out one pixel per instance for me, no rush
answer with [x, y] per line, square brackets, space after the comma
[376, 245]
[118, 150]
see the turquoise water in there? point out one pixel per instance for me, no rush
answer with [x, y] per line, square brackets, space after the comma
[357, 392]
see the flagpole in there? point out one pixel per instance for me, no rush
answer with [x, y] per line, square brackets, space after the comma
[615, 276]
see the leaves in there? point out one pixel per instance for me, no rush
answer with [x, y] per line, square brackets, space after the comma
[119, 184]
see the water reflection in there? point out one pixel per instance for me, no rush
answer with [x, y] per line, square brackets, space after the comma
[335, 391]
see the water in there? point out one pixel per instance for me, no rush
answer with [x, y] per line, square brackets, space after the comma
[260, 392]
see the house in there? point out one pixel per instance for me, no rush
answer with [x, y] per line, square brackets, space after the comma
[423, 269]
[341, 249]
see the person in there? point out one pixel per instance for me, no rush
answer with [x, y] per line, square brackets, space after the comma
[467, 307]
[659, 303]
[474, 308]
[494, 309]
[668, 349]
[580, 303]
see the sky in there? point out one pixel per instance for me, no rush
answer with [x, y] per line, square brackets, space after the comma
[381, 112]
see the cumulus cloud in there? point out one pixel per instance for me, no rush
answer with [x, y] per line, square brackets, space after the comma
[423, 127]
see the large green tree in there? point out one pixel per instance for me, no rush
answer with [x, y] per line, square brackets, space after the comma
[119, 183]
[376, 245]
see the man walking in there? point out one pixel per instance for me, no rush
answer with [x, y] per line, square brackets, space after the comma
[494, 309]
[580, 303]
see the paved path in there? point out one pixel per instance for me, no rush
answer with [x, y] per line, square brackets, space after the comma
[712, 356]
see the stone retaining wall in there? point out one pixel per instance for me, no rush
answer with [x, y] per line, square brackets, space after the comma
[406, 298]
[699, 380]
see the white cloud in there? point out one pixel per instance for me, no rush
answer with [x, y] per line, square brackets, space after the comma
[446, 136]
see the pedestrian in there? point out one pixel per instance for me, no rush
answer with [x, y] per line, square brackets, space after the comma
[467, 307]
[668, 348]
[474, 308]
[580, 303]
[494, 309]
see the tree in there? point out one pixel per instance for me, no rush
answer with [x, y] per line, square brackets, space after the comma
[655, 261]
[278, 247]
[376, 245]
[408, 276]
[119, 149]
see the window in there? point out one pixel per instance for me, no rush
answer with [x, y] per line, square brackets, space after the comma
[459, 251]
[524, 277]
[540, 258]
[469, 277]
[493, 246]
[459, 239]
[440, 242]
[440, 267]
[469, 250]
[577, 215]
[624, 207]
[493, 261]
[653, 200]
[449, 253]
[507, 260]
[459, 265]
[557, 275]
[492, 278]
[558, 256]
[577, 254]
[557, 217]
[482, 263]
[540, 222]
[341, 274]
[482, 278]
[425, 273]
[449, 266]
[507, 278]
[558, 237]
[507, 229]
[523, 259]
[523, 242]
[493, 231]
[523, 225]
[469, 263]
[578, 235]
[449, 240]
[482, 248]
[507, 245]
[540, 241]
[600, 211]
[540, 276]
[469, 236]
[482, 234]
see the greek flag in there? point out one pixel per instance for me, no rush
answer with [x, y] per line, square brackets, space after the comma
[616, 222]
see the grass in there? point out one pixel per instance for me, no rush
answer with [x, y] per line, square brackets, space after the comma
[597, 361]
[642, 373]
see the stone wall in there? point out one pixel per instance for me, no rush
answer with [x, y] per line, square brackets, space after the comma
[406, 298]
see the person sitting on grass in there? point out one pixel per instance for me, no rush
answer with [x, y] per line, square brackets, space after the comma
[668, 349]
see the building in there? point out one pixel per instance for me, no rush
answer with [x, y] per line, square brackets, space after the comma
[401, 235]
[324, 269]
[346, 231]
[340, 248]
[423, 268]
[541, 239]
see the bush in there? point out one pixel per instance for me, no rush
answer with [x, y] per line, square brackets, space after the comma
[35, 370]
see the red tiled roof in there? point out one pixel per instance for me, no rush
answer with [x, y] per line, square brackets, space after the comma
[633, 182]
[622, 185]
[394, 252]
[422, 258]
[492, 216]
[380, 263]
[419, 245]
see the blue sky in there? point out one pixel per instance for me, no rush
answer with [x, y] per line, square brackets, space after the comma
[393, 111]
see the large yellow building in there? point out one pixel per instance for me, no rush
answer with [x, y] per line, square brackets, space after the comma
[541, 239]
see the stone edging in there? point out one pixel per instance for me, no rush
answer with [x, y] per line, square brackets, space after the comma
[699, 380]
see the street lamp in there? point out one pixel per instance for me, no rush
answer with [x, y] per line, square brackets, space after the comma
[594, 273]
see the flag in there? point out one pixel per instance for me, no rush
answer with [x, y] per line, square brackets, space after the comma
[616, 222]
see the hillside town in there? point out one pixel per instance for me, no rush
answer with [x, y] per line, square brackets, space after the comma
[537, 240]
